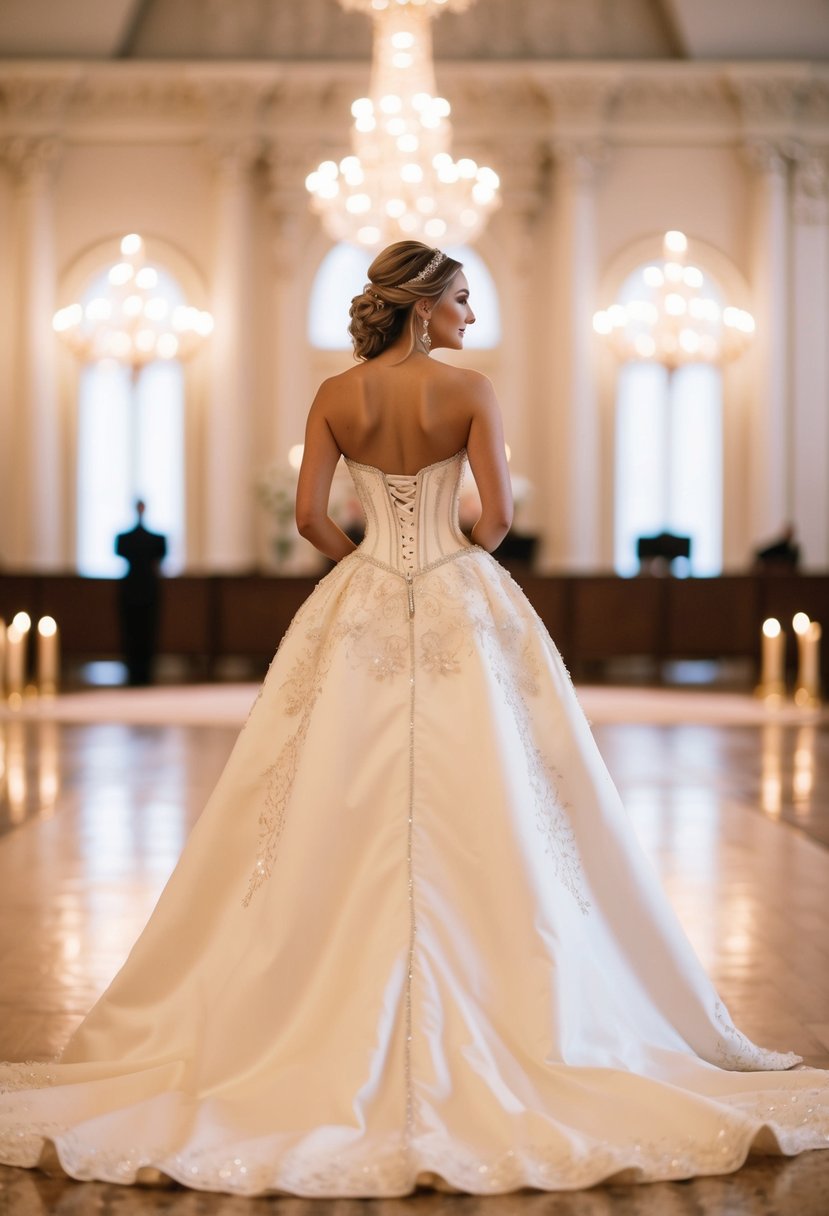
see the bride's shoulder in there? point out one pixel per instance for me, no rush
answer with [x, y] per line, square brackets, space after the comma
[468, 382]
[334, 386]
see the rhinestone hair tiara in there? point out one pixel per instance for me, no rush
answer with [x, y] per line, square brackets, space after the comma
[428, 270]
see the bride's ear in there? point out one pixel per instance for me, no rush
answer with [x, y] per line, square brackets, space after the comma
[423, 308]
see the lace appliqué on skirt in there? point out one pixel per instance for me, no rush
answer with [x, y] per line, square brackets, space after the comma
[737, 1053]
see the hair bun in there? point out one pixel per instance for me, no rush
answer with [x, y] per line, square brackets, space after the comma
[399, 275]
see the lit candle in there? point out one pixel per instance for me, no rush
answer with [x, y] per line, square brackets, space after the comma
[47, 656]
[772, 681]
[807, 688]
[15, 660]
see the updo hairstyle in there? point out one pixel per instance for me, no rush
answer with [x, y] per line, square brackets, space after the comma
[379, 314]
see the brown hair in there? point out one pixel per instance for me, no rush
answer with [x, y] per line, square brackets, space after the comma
[379, 313]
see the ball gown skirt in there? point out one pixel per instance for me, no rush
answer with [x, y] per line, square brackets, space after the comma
[411, 937]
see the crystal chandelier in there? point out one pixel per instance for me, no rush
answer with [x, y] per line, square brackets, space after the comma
[675, 317]
[401, 180]
[133, 323]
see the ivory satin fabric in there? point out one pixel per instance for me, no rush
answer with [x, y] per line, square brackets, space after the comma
[411, 935]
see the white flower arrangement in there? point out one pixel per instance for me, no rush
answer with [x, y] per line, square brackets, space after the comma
[276, 493]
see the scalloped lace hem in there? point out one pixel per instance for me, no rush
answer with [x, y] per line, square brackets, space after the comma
[793, 1124]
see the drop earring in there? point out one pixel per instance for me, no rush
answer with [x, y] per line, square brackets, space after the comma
[424, 337]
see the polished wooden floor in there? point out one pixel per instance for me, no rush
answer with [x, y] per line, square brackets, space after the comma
[736, 819]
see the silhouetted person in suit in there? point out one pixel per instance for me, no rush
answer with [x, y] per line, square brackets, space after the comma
[138, 597]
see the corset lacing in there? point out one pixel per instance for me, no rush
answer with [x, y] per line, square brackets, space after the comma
[403, 494]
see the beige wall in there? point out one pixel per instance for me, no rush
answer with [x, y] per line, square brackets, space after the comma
[608, 156]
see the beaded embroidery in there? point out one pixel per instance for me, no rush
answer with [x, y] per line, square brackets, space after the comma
[737, 1053]
[799, 1120]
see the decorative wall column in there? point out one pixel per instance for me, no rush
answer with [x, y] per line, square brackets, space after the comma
[228, 493]
[511, 245]
[295, 230]
[573, 539]
[37, 540]
[810, 356]
[770, 503]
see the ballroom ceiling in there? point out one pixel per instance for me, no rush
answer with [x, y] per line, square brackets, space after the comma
[492, 29]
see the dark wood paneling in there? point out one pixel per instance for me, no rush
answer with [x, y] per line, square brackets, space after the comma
[254, 612]
[549, 598]
[86, 611]
[615, 616]
[187, 616]
[710, 616]
[18, 593]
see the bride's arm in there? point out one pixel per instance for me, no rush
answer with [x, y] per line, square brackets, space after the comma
[319, 460]
[487, 459]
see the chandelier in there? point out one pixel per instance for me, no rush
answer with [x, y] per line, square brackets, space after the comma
[135, 322]
[400, 180]
[676, 315]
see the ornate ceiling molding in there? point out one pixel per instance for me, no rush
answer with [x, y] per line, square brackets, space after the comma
[493, 102]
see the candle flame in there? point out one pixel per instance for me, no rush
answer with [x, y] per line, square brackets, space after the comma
[800, 623]
[771, 627]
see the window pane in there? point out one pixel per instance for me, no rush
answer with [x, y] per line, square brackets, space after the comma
[696, 464]
[640, 440]
[669, 462]
[160, 479]
[130, 445]
[103, 464]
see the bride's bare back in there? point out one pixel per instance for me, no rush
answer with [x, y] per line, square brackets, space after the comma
[399, 410]
[401, 417]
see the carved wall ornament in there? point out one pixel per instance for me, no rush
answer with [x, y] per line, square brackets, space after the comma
[143, 96]
[768, 99]
[675, 96]
[581, 100]
[233, 155]
[815, 100]
[810, 182]
[36, 97]
[235, 101]
[581, 158]
[766, 156]
[32, 159]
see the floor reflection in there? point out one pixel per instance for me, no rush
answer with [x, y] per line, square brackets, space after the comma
[29, 771]
[767, 1187]
[94, 817]
[781, 769]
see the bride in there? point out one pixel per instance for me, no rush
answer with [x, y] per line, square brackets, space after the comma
[411, 938]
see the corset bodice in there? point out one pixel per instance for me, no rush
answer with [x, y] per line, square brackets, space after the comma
[411, 519]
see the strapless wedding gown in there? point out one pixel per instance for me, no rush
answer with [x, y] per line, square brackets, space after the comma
[411, 936]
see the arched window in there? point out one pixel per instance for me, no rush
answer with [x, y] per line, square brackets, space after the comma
[668, 455]
[344, 270]
[130, 445]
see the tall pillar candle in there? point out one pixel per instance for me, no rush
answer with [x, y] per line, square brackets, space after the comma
[16, 640]
[773, 659]
[807, 688]
[47, 656]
